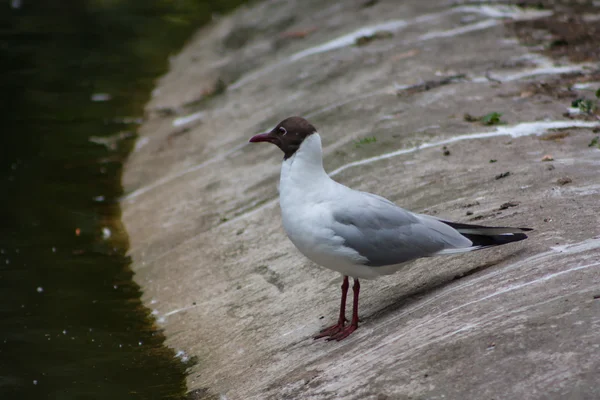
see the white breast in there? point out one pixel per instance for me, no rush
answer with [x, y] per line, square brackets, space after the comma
[306, 194]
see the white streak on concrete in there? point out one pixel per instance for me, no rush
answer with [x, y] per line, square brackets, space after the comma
[178, 310]
[519, 130]
[586, 85]
[188, 118]
[485, 24]
[506, 11]
[497, 12]
[495, 294]
[464, 328]
[543, 66]
[350, 38]
[586, 245]
[428, 127]
[542, 70]
[529, 283]
[588, 190]
[589, 244]
[337, 43]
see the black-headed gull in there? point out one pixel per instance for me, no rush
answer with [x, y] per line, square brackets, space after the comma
[358, 234]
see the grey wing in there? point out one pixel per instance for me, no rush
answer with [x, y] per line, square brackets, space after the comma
[386, 234]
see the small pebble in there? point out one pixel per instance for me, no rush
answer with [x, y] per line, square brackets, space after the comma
[502, 175]
[547, 157]
[564, 180]
[509, 204]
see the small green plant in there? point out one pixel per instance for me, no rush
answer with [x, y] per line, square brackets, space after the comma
[366, 140]
[586, 106]
[492, 161]
[598, 93]
[595, 142]
[492, 118]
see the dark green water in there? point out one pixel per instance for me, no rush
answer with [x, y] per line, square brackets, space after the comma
[72, 74]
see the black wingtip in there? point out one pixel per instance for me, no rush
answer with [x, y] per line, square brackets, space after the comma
[458, 226]
[494, 240]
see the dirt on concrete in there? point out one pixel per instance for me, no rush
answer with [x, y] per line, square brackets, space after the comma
[519, 321]
[572, 31]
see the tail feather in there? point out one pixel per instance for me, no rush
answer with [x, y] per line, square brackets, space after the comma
[480, 228]
[488, 236]
[494, 240]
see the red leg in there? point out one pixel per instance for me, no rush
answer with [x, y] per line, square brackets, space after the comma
[346, 331]
[332, 330]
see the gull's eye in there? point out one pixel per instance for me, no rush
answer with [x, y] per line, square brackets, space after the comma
[282, 130]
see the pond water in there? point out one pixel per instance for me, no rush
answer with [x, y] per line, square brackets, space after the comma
[75, 75]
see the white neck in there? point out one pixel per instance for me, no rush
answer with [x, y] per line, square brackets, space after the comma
[304, 169]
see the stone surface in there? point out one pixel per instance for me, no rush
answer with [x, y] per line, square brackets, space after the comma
[518, 321]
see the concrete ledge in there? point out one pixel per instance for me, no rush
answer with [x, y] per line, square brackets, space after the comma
[521, 321]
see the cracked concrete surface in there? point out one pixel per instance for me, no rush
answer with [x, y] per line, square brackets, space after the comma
[519, 321]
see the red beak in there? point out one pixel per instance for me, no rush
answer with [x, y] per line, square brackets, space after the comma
[263, 137]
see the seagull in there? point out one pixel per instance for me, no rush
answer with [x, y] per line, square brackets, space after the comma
[358, 234]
